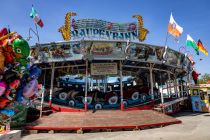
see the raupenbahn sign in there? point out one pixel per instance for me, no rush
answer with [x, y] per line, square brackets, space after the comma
[93, 33]
[96, 29]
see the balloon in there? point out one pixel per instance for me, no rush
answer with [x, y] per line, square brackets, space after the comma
[8, 49]
[3, 32]
[8, 112]
[6, 36]
[10, 93]
[30, 89]
[3, 87]
[21, 50]
[9, 76]
[3, 102]
[34, 72]
[2, 59]
[19, 94]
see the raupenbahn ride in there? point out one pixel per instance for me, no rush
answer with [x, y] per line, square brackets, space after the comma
[79, 72]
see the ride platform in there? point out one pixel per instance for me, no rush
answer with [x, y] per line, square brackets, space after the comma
[102, 120]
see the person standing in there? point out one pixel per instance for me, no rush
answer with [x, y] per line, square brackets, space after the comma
[195, 76]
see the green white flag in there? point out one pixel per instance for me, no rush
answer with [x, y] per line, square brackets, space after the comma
[191, 43]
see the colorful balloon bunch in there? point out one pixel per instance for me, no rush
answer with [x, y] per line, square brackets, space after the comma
[18, 77]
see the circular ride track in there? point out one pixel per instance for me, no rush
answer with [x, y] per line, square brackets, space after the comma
[100, 59]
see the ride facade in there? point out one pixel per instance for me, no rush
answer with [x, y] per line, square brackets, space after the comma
[103, 65]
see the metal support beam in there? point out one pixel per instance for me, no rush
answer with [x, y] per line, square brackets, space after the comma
[162, 98]
[175, 86]
[182, 92]
[169, 84]
[86, 85]
[178, 90]
[69, 66]
[167, 88]
[151, 81]
[51, 84]
[140, 67]
[121, 89]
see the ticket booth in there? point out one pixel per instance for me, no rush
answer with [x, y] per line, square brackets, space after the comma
[200, 97]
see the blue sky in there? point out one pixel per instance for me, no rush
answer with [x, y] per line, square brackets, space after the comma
[192, 15]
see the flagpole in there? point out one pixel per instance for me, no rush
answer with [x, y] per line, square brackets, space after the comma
[165, 48]
[37, 33]
[166, 39]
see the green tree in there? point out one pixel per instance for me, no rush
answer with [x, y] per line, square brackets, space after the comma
[204, 79]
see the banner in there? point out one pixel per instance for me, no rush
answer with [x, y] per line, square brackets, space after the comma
[103, 30]
[103, 68]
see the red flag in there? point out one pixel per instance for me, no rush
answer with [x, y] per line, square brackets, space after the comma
[36, 17]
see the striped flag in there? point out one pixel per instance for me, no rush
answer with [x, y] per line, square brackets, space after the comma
[36, 17]
[173, 28]
[202, 48]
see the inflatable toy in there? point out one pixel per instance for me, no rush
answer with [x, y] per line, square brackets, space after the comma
[3, 87]
[9, 76]
[8, 112]
[8, 49]
[21, 50]
[3, 32]
[3, 102]
[6, 36]
[30, 89]
[10, 93]
[2, 59]
[35, 72]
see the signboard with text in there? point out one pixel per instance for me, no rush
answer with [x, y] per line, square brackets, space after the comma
[103, 30]
[103, 68]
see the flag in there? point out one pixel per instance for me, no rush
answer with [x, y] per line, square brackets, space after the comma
[36, 17]
[173, 28]
[202, 48]
[191, 43]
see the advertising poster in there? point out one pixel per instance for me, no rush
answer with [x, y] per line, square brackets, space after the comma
[57, 52]
[142, 52]
[173, 57]
[98, 50]
[196, 103]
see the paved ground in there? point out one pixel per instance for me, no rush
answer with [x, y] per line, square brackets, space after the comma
[195, 126]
